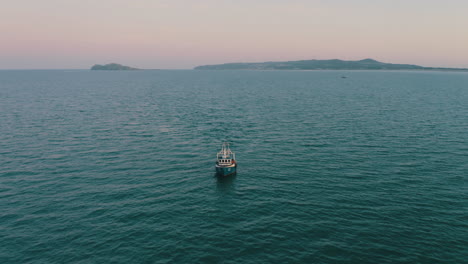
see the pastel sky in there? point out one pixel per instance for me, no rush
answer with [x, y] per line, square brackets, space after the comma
[181, 34]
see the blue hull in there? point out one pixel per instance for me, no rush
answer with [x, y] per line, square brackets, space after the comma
[225, 171]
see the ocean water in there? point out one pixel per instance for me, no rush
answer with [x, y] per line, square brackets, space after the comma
[118, 167]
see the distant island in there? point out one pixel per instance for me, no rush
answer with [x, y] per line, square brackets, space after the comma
[112, 67]
[366, 64]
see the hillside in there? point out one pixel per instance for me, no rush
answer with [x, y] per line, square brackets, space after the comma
[112, 67]
[366, 64]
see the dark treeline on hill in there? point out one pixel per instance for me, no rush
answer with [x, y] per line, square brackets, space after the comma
[366, 64]
[112, 67]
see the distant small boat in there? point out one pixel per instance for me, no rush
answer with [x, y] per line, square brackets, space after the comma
[226, 161]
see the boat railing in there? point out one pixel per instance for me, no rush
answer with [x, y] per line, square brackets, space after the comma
[226, 156]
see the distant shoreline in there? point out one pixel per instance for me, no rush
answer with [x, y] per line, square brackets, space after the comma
[334, 64]
[213, 68]
[338, 70]
[112, 67]
[462, 70]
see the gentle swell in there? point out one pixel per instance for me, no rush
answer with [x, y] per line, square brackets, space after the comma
[101, 167]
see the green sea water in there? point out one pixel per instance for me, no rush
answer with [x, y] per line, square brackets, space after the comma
[118, 167]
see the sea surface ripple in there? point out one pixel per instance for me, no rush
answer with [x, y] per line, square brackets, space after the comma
[118, 167]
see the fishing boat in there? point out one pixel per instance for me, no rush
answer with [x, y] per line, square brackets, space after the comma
[225, 161]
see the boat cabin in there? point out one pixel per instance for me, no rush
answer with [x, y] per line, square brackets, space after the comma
[225, 156]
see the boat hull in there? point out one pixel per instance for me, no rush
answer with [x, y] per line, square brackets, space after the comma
[225, 171]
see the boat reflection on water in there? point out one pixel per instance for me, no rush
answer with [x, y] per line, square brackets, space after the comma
[225, 183]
